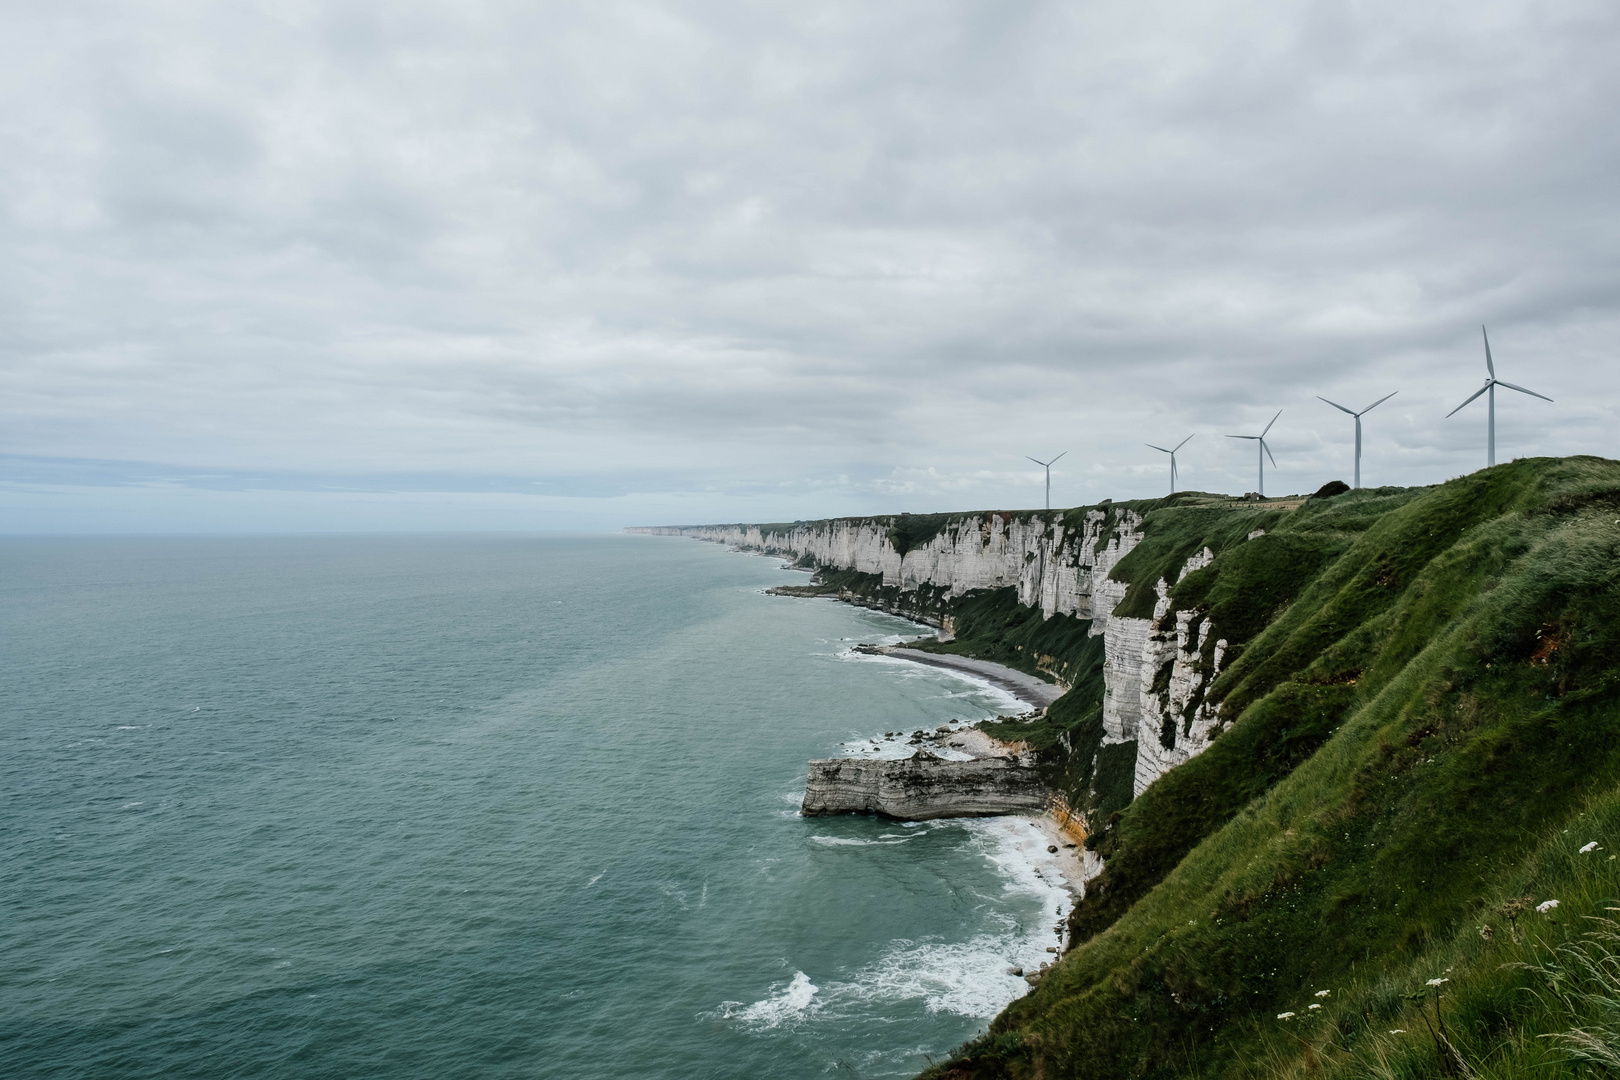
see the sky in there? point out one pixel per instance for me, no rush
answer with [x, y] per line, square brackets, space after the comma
[381, 266]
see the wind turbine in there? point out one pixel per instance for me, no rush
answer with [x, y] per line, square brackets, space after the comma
[1358, 416]
[1172, 454]
[1047, 465]
[1265, 451]
[1491, 383]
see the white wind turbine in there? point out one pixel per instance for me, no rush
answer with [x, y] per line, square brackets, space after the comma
[1172, 454]
[1265, 451]
[1491, 383]
[1358, 416]
[1047, 465]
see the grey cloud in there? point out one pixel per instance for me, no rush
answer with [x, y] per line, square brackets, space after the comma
[864, 251]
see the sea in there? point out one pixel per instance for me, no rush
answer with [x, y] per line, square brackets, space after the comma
[474, 806]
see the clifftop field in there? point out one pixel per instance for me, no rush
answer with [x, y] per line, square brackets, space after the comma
[1338, 757]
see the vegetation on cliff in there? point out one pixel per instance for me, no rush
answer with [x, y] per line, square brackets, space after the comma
[1421, 712]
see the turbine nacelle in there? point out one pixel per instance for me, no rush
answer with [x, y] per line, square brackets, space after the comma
[1172, 454]
[1047, 465]
[1264, 452]
[1358, 416]
[1491, 383]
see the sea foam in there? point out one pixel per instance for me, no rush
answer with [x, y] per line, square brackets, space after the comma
[789, 1005]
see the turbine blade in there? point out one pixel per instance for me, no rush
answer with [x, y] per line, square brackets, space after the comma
[1490, 367]
[1160, 449]
[1377, 403]
[1185, 441]
[1243, 436]
[1335, 404]
[1267, 449]
[1522, 390]
[1055, 460]
[1263, 434]
[1471, 397]
[1042, 464]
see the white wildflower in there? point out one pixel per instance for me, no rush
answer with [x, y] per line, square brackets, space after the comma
[1589, 848]
[1397, 1031]
[1437, 982]
[1323, 993]
[1314, 1006]
[1285, 1016]
[1546, 906]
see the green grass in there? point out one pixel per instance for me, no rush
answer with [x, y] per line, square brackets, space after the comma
[1425, 695]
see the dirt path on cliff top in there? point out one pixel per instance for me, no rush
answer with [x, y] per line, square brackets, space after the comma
[1027, 688]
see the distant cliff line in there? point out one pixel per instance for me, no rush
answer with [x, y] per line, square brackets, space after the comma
[1060, 563]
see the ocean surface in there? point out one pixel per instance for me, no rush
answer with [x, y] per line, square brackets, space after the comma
[472, 807]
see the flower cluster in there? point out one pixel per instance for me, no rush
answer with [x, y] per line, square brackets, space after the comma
[1308, 1008]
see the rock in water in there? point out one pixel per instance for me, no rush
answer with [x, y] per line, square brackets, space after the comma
[923, 787]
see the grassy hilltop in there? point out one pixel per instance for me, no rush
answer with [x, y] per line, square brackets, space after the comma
[1420, 742]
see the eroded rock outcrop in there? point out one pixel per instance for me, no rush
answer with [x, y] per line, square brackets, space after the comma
[923, 787]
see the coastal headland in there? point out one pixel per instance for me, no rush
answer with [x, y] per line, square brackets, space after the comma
[1346, 766]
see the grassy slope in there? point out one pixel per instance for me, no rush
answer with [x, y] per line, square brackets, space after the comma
[1427, 697]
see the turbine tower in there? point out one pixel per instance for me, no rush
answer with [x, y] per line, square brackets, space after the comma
[1358, 416]
[1265, 451]
[1491, 383]
[1172, 454]
[1047, 465]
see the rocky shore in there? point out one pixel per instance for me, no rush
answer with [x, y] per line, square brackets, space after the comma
[923, 787]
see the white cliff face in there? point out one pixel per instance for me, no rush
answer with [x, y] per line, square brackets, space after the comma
[1172, 722]
[1061, 570]
[1055, 568]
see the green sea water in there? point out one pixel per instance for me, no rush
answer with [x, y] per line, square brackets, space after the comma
[471, 807]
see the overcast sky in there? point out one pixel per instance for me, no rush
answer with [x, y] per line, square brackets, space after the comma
[395, 265]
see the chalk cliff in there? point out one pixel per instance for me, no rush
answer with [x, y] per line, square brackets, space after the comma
[1055, 568]
[1153, 668]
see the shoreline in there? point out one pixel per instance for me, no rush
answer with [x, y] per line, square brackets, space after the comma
[1025, 687]
[1068, 863]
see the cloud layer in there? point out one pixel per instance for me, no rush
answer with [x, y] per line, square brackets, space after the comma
[587, 264]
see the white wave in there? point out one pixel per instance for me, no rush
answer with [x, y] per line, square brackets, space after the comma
[852, 841]
[594, 880]
[995, 700]
[789, 1005]
[1017, 846]
[970, 978]
[967, 978]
